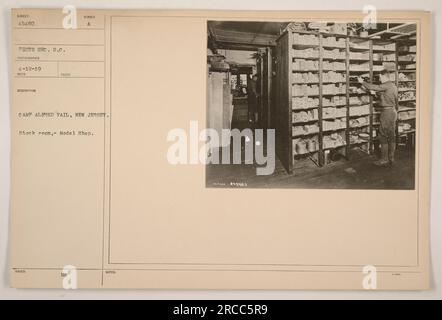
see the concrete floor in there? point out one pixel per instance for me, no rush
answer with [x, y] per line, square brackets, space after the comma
[357, 173]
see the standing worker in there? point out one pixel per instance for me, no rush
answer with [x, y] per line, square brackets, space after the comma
[252, 99]
[388, 103]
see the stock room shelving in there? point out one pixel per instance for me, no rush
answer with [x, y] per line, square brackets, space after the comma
[406, 54]
[321, 109]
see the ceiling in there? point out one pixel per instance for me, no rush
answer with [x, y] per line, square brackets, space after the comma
[251, 35]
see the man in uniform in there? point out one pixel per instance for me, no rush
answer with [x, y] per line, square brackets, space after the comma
[252, 99]
[388, 103]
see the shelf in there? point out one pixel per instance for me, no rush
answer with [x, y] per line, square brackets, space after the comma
[359, 49]
[406, 109]
[305, 153]
[305, 46]
[328, 70]
[384, 61]
[359, 94]
[383, 51]
[359, 71]
[354, 82]
[404, 133]
[405, 53]
[334, 59]
[335, 106]
[405, 90]
[377, 106]
[334, 94]
[339, 82]
[359, 142]
[306, 96]
[335, 147]
[359, 115]
[299, 71]
[357, 62]
[330, 34]
[304, 32]
[306, 58]
[358, 127]
[333, 47]
[317, 82]
[378, 71]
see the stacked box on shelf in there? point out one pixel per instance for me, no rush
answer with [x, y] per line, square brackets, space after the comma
[384, 58]
[328, 107]
[305, 94]
[406, 56]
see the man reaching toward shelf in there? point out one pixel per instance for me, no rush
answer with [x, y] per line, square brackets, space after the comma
[388, 103]
[252, 97]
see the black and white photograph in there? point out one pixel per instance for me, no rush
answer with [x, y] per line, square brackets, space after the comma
[312, 105]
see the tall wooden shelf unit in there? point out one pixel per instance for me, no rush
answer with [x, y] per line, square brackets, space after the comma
[360, 102]
[321, 109]
[384, 56]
